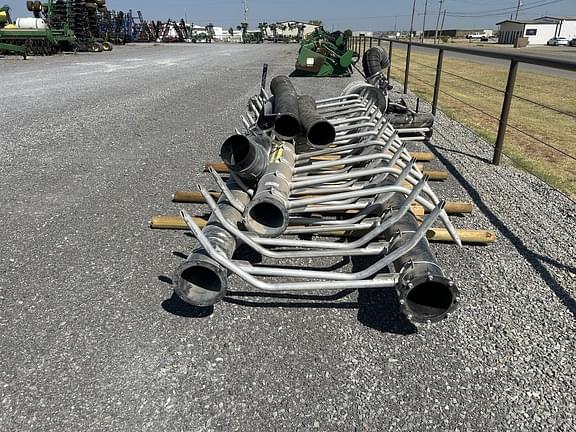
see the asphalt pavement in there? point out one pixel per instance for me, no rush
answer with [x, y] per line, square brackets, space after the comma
[91, 337]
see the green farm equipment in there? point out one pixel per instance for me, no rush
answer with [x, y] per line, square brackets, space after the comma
[58, 25]
[44, 34]
[325, 54]
[6, 21]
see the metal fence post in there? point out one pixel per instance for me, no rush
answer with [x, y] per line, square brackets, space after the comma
[407, 68]
[508, 94]
[379, 40]
[390, 60]
[363, 44]
[370, 42]
[437, 80]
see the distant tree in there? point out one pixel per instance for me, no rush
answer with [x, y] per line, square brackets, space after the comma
[315, 22]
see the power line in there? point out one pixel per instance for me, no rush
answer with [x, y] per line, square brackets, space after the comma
[502, 12]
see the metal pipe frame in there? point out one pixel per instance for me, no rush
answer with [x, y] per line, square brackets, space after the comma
[364, 182]
[243, 270]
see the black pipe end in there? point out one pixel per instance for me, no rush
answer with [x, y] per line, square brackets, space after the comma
[201, 281]
[321, 134]
[236, 151]
[287, 125]
[427, 298]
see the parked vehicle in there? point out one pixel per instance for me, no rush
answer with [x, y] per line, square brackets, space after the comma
[558, 41]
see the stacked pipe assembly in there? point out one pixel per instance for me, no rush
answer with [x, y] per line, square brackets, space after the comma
[304, 171]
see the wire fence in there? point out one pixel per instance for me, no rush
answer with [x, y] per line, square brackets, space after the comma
[417, 70]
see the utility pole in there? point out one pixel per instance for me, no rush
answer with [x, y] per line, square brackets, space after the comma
[442, 25]
[438, 22]
[424, 21]
[395, 24]
[245, 11]
[412, 20]
[517, 9]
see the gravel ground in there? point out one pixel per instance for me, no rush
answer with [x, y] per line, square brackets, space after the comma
[92, 338]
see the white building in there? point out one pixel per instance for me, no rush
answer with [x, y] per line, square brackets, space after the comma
[363, 33]
[537, 31]
[236, 36]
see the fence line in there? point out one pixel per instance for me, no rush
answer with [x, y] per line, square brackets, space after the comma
[361, 43]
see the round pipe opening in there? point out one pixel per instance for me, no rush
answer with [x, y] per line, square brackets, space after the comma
[287, 125]
[321, 134]
[235, 150]
[268, 215]
[200, 285]
[429, 300]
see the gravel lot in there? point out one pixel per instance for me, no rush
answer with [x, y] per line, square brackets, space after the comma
[92, 339]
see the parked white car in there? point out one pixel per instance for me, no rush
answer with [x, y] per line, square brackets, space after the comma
[558, 41]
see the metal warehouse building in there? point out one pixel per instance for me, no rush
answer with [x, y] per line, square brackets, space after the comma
[537, 31]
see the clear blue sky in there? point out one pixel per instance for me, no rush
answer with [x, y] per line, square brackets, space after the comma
[357, 15]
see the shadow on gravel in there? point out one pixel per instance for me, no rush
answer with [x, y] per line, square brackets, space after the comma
[535, 260]
[481, 159]
[302, 300]
[177, 307]
[380, 308]
[377, 308]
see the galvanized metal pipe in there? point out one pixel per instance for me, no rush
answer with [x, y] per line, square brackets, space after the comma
[267, 212]
[201, 280]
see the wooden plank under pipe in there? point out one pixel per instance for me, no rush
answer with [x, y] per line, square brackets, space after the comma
[452, 207]
[434, 234]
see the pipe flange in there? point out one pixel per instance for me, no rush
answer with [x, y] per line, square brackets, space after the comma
[427, 297]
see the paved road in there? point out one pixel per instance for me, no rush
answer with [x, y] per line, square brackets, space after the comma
[92, 339]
